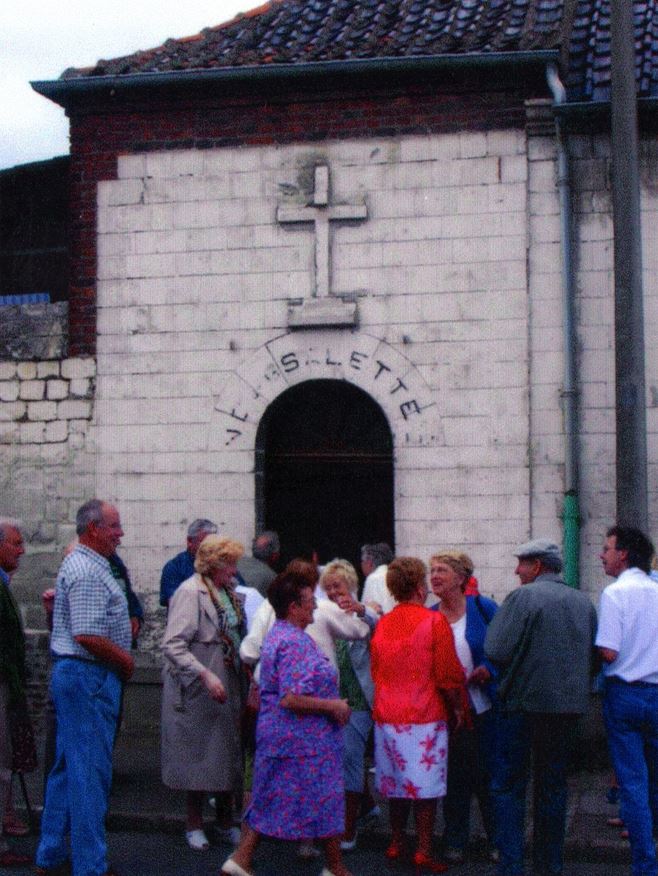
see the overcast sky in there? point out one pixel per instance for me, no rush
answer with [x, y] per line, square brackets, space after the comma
[39, 39]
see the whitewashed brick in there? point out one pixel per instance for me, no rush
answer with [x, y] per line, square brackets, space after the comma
[7, 370]
[32, 389]
[48, 369]
[57, 389]
[81, 388]
[513, 168]
[9, 390]
[71, 410]
[472, 145]
[32, 433]
[41, 410]
[26, 370]
[56, 431]
[12, 410]
[78, 368]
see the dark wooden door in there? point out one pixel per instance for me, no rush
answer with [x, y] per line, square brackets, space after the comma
[325, 471]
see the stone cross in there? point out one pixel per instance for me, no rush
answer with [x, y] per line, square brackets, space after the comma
[320, 212]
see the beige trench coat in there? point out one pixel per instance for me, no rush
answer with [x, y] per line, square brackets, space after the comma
[201, 739]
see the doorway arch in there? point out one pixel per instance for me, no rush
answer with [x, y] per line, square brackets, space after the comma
[324, 470]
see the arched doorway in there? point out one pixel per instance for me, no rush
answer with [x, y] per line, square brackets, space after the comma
[324, 470]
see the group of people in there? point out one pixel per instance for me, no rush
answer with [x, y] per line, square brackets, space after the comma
[466, 698]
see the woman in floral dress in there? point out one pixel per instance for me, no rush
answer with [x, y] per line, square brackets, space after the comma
[419, 686]
[297, 790]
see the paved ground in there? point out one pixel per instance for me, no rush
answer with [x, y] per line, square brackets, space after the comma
[146, 829]
[157, 854]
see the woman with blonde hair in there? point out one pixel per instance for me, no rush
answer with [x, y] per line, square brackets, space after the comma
[204, 689]
[339, 582]
[471, 747]
[419, 688]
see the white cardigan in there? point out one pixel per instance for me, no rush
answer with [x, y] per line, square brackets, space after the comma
[330, 622]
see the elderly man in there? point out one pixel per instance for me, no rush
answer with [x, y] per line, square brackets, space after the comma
[627, 641]
[542, 639]
[90, 644]
[374, 564]
[258, 570]
[181, 567]
[12, 669]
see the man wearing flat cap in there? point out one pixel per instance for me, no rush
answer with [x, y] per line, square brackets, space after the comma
[542, 640]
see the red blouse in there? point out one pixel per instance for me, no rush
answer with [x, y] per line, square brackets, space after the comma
[412, 657]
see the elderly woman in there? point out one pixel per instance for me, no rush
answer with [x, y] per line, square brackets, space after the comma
[203, 689]
[419, 687]
[297, 790]
[339, 582]
[471, 747]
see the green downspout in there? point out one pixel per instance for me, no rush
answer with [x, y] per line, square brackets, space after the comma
[570, 505]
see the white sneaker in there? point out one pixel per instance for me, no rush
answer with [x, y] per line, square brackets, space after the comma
[197, 840]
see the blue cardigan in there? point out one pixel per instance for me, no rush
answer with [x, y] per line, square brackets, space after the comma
[479, 611]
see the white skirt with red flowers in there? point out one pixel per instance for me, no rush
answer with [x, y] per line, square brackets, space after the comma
[411, 760]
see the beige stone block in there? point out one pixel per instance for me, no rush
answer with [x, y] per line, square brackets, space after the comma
[32, 433]
[48, 369]
[41, 410]
[513, 168]
[32, 390]
[9, 390]
[472, 145]
[130, 166]
[81, 387]
[56, 431]
[26, 370]
[7, 370]
[78, 367]
[120, 192]
[56, 390]
[9, 432]
[12, 411]
[72, 410]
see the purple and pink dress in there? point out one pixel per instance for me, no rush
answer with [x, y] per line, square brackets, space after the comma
[297, 790]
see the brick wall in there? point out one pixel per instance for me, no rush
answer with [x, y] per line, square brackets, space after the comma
[186, 120]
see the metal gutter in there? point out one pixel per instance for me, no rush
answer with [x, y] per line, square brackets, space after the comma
[570, 509]
[63, 90]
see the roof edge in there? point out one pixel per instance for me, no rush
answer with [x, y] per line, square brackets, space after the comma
[61, 91]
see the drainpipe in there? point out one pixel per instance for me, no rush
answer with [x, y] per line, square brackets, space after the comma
[570, 505]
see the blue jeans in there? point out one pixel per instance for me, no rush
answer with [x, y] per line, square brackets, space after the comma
[630, 713]
[86, 697]
[548, 737]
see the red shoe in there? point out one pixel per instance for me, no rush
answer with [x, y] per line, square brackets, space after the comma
[395, 850]
[421, 861]
[13, 859]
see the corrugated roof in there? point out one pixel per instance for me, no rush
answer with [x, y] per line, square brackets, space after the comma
[304, 31]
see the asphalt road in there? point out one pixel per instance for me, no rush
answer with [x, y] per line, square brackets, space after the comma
[157, 854]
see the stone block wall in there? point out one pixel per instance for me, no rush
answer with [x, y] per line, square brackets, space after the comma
[47, 467]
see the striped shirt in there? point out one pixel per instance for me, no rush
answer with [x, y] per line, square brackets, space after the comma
[88, 602]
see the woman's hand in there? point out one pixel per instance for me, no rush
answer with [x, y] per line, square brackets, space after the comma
[479, 676]
[214, 686]
[349, 604]
[340, 712]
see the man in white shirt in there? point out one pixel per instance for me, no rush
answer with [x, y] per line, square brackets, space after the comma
[627, 641]
[374, 565]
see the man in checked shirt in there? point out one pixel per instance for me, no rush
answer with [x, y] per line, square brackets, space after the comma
[90, 644]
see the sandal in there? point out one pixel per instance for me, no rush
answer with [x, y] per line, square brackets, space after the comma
[197, 840]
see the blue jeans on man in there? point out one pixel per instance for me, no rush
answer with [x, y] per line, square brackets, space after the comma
[548, 738]
[630, 712]
[86, 697]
